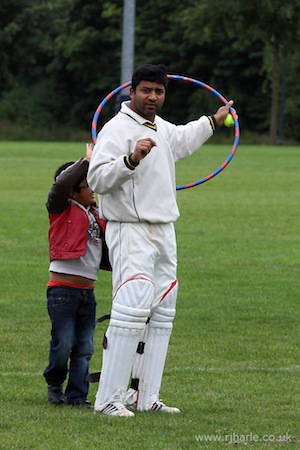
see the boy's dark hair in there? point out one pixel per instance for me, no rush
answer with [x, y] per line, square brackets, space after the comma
[63, 167]
[156, 73]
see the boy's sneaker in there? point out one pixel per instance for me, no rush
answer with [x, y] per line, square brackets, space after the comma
[115, 409]
[160, 406]
[56, 395]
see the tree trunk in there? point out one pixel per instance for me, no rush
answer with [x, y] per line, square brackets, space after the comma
[275, 90]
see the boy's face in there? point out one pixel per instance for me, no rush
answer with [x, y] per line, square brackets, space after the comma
[147, 99]
[86, 196]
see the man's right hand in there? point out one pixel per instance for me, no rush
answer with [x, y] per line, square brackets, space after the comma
[142, 148]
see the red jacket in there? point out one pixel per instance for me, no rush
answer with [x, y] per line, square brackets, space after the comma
[68, 232]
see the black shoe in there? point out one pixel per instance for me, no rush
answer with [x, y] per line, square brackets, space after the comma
[81, 403]
[56, 395]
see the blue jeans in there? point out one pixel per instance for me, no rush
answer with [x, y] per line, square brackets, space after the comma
[73, 315]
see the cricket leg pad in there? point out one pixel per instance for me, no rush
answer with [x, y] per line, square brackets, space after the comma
[155, 352]
[132, 393]
[122, 337]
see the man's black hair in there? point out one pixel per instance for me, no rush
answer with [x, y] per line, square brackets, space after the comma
[156, 73]
[63, 167]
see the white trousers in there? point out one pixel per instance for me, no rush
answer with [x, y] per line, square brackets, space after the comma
[142, 250]
[144, 262]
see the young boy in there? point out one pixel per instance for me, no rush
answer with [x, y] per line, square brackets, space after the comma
[75, 245]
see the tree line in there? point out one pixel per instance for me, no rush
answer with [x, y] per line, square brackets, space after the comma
[60, 58]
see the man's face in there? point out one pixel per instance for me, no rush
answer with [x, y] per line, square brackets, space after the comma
[147, 99]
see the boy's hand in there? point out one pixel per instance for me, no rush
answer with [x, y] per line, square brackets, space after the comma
[88, 151]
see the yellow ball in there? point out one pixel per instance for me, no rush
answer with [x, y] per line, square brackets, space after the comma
[229, 122]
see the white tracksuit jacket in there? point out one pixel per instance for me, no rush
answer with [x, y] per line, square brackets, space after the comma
[147, 193]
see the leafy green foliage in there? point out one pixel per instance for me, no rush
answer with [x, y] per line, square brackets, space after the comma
[59, 59]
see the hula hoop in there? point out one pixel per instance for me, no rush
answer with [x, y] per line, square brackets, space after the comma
[188, 80]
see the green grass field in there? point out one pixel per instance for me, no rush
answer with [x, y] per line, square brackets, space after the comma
[233, 366]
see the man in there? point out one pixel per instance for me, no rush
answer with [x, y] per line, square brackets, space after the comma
[133, 170]
[76, 249]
